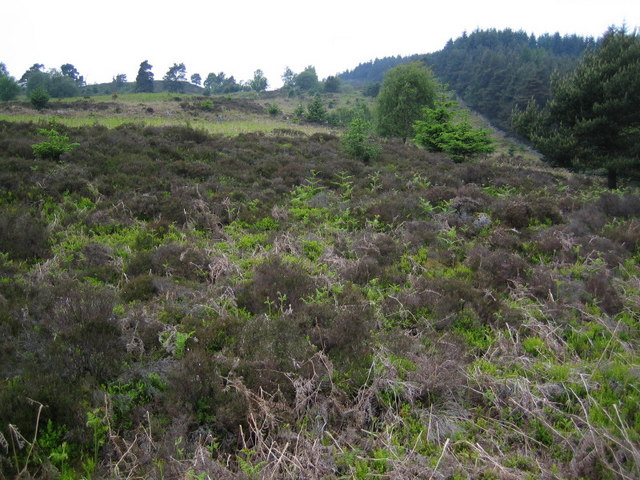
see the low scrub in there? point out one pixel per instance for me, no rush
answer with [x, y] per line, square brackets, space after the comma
[176, 304]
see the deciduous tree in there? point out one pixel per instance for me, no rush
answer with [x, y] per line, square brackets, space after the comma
[259, 83]
[307, 79]
[405, 91]
[9, 88]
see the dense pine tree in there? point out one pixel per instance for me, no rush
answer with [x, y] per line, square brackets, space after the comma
[592, 120]
[144, 79]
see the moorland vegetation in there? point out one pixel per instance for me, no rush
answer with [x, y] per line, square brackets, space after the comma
[309, 300]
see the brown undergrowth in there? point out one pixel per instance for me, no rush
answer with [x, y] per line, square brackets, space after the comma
[176, 304]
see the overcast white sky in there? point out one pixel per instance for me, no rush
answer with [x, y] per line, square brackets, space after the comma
[103, 39]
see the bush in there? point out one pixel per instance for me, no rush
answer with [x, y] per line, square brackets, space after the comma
[316, 112]
[274, 110]
[23, 236]
[439, 132]
[9, 89]
[142, 287]
[356, 142]
[276, 284]
[56, 146]
[39, 98]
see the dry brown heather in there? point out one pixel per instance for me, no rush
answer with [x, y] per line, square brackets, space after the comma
[175, 304]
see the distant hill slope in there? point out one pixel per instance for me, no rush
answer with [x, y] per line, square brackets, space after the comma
[492, 70]
[130, 87]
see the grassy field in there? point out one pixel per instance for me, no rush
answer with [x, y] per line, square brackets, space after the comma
[225, 127]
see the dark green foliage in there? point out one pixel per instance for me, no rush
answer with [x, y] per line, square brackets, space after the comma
[196, 79]
[332, 84]
[39, 98]
[497, 70]
[592, 120]
[144, 78]
[274, 110]
[405, 91]
[316, 111]
[357, 143]
[372, 89]
[493, 70]
[175, 77]
[307, 80]
[440, 131]
[9, 88]
[61, 85]
[373, 71]
[69, 71]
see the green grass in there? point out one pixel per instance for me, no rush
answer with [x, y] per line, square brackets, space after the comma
[227, 128]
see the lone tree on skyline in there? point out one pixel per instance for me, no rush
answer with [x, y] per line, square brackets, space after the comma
[259, 82]
[592, 120]
[175, 77]
[144, 79]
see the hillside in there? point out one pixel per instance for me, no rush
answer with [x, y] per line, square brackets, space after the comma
[493, 71]
[181, 300]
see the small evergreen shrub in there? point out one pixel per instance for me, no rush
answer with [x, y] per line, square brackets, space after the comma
[440, 131]
[274, 110]
[54, 147]
[39, 98]
[356, 142]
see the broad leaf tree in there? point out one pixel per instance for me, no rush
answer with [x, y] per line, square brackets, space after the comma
[9, 88]
[405, 91]
[592, 120]
[259, 82]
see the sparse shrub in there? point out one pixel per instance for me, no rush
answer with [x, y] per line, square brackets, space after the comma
[196, 387]
[274, 110]
[23, 236]
[55, 147]
[498, 268]
[39, 98]
[356, 142]
[180, 261]
[599, 285]
[626, 235]
[139, 288]
[139, 264]
[276, 284]
[519, 212]
[316, 113]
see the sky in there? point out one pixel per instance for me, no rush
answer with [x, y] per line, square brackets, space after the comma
[103, 39]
